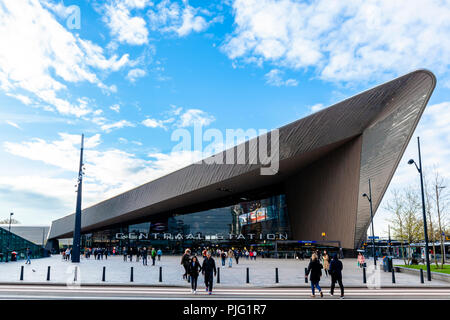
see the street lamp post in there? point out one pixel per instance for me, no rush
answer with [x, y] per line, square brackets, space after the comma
[369, 197]
[9, 236]
[77, 228]
[419, 168]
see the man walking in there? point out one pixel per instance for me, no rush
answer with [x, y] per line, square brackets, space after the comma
[28, 256]
[153, 256]
[144, 256]
[209, 271]
[336, 274]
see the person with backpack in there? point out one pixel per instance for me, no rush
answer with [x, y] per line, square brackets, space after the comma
[336, 274]
[193, 272]
[315, 272]
[208, 269]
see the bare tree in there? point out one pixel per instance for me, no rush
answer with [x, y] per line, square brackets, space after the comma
[429, 210]
[441, 200]
[406, 225]
[6, 221]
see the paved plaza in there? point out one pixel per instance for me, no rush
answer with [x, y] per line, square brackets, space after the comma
[261, 273]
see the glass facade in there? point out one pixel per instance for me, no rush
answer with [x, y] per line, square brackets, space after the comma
[16, 247]
[247, 223]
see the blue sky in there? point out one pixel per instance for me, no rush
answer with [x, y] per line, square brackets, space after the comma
[127, 73]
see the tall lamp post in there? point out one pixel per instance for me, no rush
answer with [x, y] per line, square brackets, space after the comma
[77, 228]
[419, 168]
[9, 236]
[369, 197]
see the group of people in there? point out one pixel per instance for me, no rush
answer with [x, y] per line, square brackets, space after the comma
[332, 266]
[142, 253]
[66, 254]
[192, 269]
[98, 253]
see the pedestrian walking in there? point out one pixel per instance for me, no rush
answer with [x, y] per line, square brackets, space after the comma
[326, 262]
[124, 252]
[230, 258]
[153, 256]
[193, 272]
[237, 254]
[209, 271]
[254, 255]
[361, 260]
[159, 253]
[144, 256]
[336, 275]
[315, 272]
[130, 254]
[28, 256]
[223, 256]
[185, 259]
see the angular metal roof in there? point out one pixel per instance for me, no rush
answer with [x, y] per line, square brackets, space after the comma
[384, 116]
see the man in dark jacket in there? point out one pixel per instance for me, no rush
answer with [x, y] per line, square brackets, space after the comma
[208, 268]
[336, 274]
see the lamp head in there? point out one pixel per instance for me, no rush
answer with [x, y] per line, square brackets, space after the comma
[364, 195]
[411, 161]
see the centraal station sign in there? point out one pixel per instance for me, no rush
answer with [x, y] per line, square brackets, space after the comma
[190, 236]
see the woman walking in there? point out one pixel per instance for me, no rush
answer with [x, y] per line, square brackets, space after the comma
[326, 262]
[315, 272]
[193, 271]
[185, 259]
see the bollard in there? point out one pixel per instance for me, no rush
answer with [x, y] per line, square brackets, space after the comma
[160, 274]
[218, 275]
[276, 275]
[248, 276]
[131, 275]
[104, 274]
[364, 275]
[75, 276]
[21, 273]
[393, 275]
[48, 273]
[421, 276]
[306, 273]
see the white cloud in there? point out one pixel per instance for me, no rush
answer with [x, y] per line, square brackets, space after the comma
[170, 17]
[115, 108]
[193, 117]
[123, 26]
[133, 74]
[24, 99]
[343, 40]
[108, 172]
[153, 123]
[116, 125]
[13, 124]
[38, 55]
[316, 107]
[275, 78]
